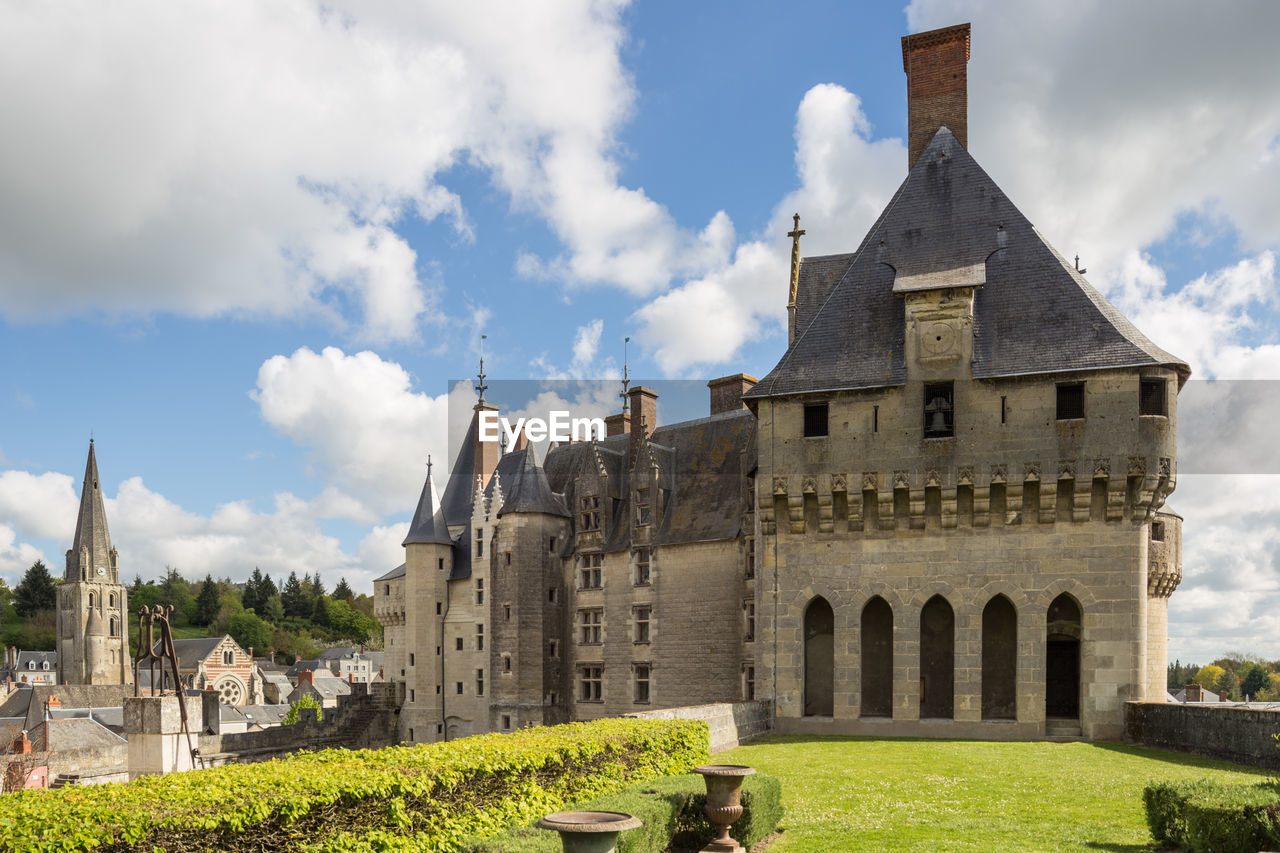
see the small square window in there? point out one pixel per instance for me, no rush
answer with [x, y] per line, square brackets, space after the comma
[1157, 531]
[939, 410]
[815, 420]
[1070, 400]
[1153, 397]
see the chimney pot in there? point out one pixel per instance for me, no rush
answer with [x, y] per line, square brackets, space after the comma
[935, 63]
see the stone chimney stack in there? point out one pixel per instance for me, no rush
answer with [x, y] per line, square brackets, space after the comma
[1194, 693]
[644, 415]
[487, 452]
[727, 391]
[617, 424]
[937, 91]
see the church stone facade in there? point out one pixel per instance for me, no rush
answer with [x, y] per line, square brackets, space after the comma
[941, 513]
[93, 637]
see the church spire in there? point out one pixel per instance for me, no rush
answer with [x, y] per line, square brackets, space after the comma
[91, 549]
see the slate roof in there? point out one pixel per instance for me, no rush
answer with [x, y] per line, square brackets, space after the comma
[528, 489]
[461, 489]
[428, 526]
[29, 702]
[949, 224]
[75, 733]
[397, 572]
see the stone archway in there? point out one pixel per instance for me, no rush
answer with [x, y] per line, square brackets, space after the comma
[877, 658]
[999, 660]
[1063, 633]
[819, 659]
[937, 659]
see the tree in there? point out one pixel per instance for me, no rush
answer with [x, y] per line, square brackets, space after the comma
[207, 602]
[252, 595]
[317, 586]
[248, 629]
[174, 590]
[297, 604]
[304, 701]
[1208, 676]
[320, 613]
[273, 609]
[1256, 679]
[343, 591]
[36, 592]
[1227, 685]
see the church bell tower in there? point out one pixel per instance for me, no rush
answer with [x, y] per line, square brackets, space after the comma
[93, 645]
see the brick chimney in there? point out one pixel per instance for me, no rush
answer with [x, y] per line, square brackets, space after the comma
[1194, 693]
[618, 424]
[306, 676]
[644, 415]
[937, 92]
[727, 391]
[487, 452]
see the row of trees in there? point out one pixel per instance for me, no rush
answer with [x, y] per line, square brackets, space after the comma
[1235, 676]
[287, 620]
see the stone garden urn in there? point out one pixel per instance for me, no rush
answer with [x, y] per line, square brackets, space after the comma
[724, 802]
[589, 832]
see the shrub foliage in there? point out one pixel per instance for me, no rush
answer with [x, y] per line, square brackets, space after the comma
[424, 798]
[1206, 816]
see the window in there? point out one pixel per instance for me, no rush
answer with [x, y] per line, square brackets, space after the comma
[642, 567]
[642, 683]
[479, 542]
[386, 590]
[749, 612]
[228, 656]
[410, 735]
[815, 420]
[553, 698]
[1157, 531]
[439, 567]
[410, 661]
[642, 506]
[479, 682]
[479, 638]
[592, 678]
[553, 649]
[1153, 398]
[591, 512]
[508, 558]
[1003, 410]
[115, 627]
[748, 682]
[31, 665]
[641, 614]
[506, 721]
[439, 727]
[939, 412]
[875, 418]
[90, 599]
[551, 545]
[506, 612]
[590, 623]
[1070, 401]
[439, 608]
[457, 644]
[506, 663]
[751, 557]
[413, 695]
[551, 594]
[459, 688]
[590, 575]
[479, 590]
[111, 599]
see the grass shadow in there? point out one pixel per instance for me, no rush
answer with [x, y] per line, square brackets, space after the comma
[1184, 759]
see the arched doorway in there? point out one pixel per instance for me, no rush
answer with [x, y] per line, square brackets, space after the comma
[1062, 658]
[937, 659]
[877, 658]
[819, 659]
[999, 660]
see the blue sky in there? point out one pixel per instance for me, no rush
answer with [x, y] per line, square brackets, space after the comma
[248, 248]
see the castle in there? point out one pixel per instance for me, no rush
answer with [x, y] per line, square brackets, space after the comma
[940, 514]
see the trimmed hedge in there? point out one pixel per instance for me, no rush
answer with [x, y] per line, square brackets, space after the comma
[426, 798]
[1205, 816]
[670, 811]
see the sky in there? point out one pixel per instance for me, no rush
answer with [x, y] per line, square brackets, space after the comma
[248, 247]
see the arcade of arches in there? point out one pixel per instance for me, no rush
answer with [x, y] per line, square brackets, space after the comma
[1064, 631]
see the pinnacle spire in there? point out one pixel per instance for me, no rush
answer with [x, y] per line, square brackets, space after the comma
[91, 547]
[428, 525]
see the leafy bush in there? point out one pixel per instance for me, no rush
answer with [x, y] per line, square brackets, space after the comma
[1204, 816]
[424, 798]
[670, 811]
[304, 701]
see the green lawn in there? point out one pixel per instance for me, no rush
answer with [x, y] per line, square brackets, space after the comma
[845, 794]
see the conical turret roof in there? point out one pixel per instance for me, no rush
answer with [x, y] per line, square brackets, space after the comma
[91, 525]
[428, 526]
[530, 491]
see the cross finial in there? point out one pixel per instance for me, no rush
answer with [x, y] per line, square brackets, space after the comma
[428, 465]
[482, 387]
[795, 234]
[626, 378]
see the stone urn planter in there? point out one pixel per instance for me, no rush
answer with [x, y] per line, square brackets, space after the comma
[589, 832]
[724, 802]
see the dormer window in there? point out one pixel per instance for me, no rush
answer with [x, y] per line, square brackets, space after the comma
[591, 512]
[45, 666]
[642, 506]
[31, 664]
[939, 410]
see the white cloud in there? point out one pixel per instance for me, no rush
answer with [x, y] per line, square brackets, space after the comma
[361, 419]
[16, 557]
[586, 341]
[42, 506]
[380, 550]
[846, 178]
